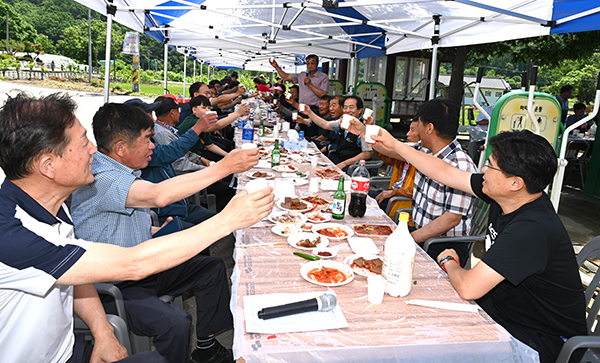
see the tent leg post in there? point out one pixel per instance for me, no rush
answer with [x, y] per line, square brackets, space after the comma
[109, 19]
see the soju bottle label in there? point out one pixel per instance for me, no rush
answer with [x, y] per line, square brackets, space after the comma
[338, 207]
[275, 160]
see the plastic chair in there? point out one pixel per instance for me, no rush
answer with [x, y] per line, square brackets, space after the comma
[479, 221]
[574, 149]
[592, 340]
[117, 321]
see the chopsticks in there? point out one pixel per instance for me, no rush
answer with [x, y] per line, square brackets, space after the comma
[262, 244]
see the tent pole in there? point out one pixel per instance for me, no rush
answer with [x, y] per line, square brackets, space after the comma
[434, 41]
[184, 70]
[110, 12]
[194, 72]
[201, 71]
[165, 60]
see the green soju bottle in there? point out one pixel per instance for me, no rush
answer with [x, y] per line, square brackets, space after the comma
[261, 129]
[339, 201]
[276, 154]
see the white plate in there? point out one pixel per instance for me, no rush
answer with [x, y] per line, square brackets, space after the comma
[295, 175]
[307, 224]
[293, 240]
[363, 245]
[299, 181]
[285, 230]
[308, 206]
[333, 251]
[346, 270]
[285, 168]
[269, 175]
[359, 271]
[322, 163]
[300, 217]
[324, 215]
[347, 229]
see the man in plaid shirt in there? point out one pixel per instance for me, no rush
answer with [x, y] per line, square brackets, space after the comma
[439, 210]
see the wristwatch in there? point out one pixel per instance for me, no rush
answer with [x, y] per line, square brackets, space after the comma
[445, 259]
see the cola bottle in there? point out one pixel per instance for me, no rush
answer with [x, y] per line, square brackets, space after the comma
[359, 189]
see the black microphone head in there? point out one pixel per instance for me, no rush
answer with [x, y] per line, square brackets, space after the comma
[327, 302]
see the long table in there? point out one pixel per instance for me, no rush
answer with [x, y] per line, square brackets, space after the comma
[393, 331]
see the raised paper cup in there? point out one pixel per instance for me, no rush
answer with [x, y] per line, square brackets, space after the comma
[249, 145]
[370, 131]
[368, 112]
[346, 121]
[302, 107]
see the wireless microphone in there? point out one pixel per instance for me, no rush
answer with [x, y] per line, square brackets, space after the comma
[325, 302]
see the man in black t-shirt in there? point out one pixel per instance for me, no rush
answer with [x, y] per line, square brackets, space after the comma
[528, 279]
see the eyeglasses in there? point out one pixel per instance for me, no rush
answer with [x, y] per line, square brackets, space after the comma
[488, 166]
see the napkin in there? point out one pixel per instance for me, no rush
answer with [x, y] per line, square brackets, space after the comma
[293, 135]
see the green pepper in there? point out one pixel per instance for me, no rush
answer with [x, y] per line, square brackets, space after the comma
[308, 257]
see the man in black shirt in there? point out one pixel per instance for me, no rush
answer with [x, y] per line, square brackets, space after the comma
[528, 279]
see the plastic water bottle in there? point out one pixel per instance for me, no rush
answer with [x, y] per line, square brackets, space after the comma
[399, 259]
[593, 129]
[302, 143]
[360, 187]
[248, 131]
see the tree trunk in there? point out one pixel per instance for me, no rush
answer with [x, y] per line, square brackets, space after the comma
[456, 88]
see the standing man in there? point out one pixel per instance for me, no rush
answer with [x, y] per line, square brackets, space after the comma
[45, 272]
[566, 92]
[313, 83]
[528, 279]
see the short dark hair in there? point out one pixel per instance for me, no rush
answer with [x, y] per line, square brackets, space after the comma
[195, 87]
[296, 87]
[313, 56]
[30, 127]
[443, 114]
[234, 75]
[116, 122]
[199, 101]
[526, 155]
[578, 106]
[256, 80]
[359, 101]
[567, 88]
[339, 98]
[326, 98]
[166, 105]
[213, 82]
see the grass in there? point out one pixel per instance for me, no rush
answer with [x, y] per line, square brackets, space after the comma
[150, 90]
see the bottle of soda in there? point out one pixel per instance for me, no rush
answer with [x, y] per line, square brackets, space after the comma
[339, 201]
[302, 143]
[360, 188]
[276, 154]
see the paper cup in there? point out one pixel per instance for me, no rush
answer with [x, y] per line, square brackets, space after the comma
[249, 145]
[346, 121]
[256, 185]
[368, 112]
[314, 161]
[370, 131]
[275, 101]
[313, 186]
[294, 115]
[271, 59]
[376, 288]
[285, 126]
[302, 107]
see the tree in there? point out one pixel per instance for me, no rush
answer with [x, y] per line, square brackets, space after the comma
[19, 30]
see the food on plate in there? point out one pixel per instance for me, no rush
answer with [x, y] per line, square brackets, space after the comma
[316, 217]
[285, 230]
[306, 227]
[328, 173]
[283, 150]
[260, 174]
[335, 232]
[288, 217]
[294, 204]
[308, 257]
[308, 243]
[315, 200]
[324, 253]
[372, 230]
[373, 266]
[327, 275]
[327, 210]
